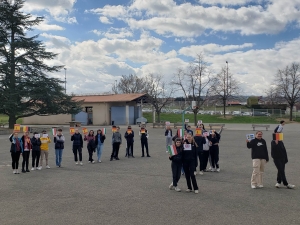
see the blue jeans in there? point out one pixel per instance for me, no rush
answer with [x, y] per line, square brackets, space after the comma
[99, 151]
[58, 156]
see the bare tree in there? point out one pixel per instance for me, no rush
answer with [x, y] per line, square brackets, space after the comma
[287, 82]
[194, 82]
[272, 95]
[129, 84]
[223, 87]
[159, 93]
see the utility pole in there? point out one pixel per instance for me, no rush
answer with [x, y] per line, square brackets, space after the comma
[65, 80]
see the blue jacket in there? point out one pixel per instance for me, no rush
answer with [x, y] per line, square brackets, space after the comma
[13, 144]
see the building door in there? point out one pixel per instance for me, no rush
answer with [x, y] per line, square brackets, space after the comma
[89, 111]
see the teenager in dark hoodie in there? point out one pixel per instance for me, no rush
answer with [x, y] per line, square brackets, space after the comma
[99, 143]
[27, 147]
[129, 136]
[189, 161]
[260, 156]
[279, 155]
[59, 145]
[116, 141]
[90, 139]
[36, 151]
[77, 146]
[16, 150]
[214, 139]
[176, 165]
[200, 140]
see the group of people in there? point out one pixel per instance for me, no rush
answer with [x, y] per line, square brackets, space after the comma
[189, 149]
[260, 157]
[38, 146]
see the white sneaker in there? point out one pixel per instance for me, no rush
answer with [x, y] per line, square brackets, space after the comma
[171, 187]
[76, 163]
[81, 163]
[277, 185]
[89, 161]
[188, 190]
[260, 186]
[218, 170]
[196, 191]
[177, 189]
[195, 173]
[32, 168]
[48, 167]
[93, 162]
[201, 173]
[14, 171]
[209, 169]
[213, 170]
[290, 186]
[99, 161]
[253, 186]
[39, 168]
[17, 172]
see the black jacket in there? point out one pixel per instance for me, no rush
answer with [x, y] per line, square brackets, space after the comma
[36, 144]
[278, 151]
[214, 141]
[59, 142]
[189, 155]
[200, 142]
[177, 158]
[102, 138]
[259, 149]
[77, 140]
[129, 137]
[167, 131]
[13, 145]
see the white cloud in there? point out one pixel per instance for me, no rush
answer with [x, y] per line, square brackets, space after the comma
[114, 33]
[104, 20]
[44, 26]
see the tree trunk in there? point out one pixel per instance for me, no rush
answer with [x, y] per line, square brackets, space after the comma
[195, 118]
[291, 112]
[224, 107]
[12, 120]
[158, 117]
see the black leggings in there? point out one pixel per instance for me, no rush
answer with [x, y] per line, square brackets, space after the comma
[189, 168]
[78, 149]
[15, 156]
[36, 158]
[26, 155]
[91, 152]
[214, 155]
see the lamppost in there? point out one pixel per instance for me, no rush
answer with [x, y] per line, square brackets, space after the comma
[65, 80]
[227, 77]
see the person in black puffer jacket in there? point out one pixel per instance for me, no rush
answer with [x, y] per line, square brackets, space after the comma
[200, 140]
[176, 165]
[36, 151]
[279, 155]
[77, 146]
[214, 139]
[189, 160]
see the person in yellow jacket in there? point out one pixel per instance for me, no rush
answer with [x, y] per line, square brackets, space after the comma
[45, 140]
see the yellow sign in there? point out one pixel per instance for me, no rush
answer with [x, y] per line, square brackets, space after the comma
[17, 128]
[72, 130]
[198, 132]
[85, 131]
[129, 131]
[25, 129]
[143, 131]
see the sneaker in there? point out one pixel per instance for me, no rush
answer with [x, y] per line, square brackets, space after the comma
[132, 156]
[32, 168]
[260, 186]
[48, 167]
[218, 170]
[17, 172]
[195, 173]
[253, 186]
[23, 171]
[39, 168]
[117, 158]
[201, 173]
[14, 172]
[196, 191]
[99, 161]
[93, 161]
[76, 163]
[188, 190]
[290, 186]
[213, 170]
[177, 189]
[277, 185]
[171, 187]
[148, 156]
[81, 163]
[89, 161]
[209, 169]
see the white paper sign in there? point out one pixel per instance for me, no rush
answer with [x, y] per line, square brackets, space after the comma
[45, 135]
[37, 135]
[250, 137]
[199, 122]
[167, 123]
[187, 120]
[187, 147]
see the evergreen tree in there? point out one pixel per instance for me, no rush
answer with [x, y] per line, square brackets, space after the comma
[25, 86]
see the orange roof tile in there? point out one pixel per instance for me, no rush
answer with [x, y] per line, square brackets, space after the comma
[108, 98]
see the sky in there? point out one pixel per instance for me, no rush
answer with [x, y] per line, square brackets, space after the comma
[98, 41]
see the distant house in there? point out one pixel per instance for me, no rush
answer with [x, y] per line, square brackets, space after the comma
[230, 103]
[120, 109]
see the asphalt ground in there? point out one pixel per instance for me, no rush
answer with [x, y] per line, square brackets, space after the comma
[135, 190]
